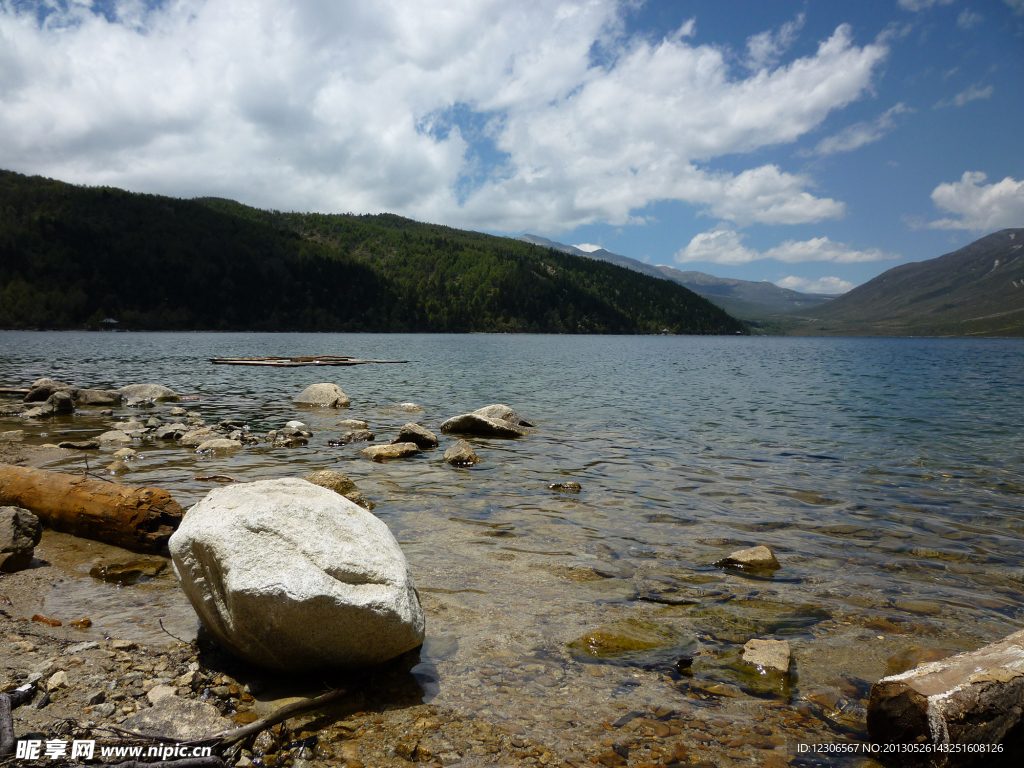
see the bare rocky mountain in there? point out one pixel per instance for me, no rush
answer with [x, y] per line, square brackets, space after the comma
[975, 291]
[745, 299]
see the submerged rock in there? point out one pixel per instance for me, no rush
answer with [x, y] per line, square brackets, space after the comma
[97, 398]
[218, 445]
[392, 451]
[291, 576]
[502, 413]
[410, 408]
[913, 658]
[570, 486]
[972, 698]
[461, 455]
[115, 436]
[768, 654]
[41, 390]
[475, 424]
[414, 433]
[323, 395]
[353, 436]
[79, 445]
[623, 640]
[148, 392]
[20, 531]
[61, 402]
[170, 432]
[337, 482]
[332, 481]
[756, 559]
[352, 424]
[118, 467]
[197, 437]
[128, 572]
[43, 411]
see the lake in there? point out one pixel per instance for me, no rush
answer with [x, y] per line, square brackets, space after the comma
[886, 474]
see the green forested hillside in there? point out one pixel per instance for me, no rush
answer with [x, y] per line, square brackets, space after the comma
[72, 256]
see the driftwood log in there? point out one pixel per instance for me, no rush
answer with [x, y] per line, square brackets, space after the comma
[293, 362]
[138, 519]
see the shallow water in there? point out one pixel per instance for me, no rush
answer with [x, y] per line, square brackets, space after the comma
[886, 474]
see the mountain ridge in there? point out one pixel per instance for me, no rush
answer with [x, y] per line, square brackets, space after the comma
[746, 299]
[977, 290]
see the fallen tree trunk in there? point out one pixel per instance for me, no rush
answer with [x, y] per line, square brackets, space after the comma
[139, 519]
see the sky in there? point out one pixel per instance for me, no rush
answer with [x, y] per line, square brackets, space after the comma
[814, 145]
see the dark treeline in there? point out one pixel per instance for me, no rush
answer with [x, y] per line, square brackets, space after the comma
[72, 256]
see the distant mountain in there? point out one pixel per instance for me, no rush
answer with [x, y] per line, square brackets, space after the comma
[745, 299]
[975, 291]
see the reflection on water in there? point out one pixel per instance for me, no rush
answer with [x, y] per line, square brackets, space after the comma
[886, 474]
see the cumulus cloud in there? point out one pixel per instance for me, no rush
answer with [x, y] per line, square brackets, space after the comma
[859, 134]
[725, 246]
[478, 113]
[968, 19]
[831, 285]
[980, 206]
[765, 49]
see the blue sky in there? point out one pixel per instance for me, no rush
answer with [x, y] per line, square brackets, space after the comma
[815, 145]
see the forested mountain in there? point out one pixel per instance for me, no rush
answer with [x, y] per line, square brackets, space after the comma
[72, 256]
[975, 291]
[746, 299]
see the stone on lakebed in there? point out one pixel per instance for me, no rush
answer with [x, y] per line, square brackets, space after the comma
[391, 451]
[414, 433]
[756, 559]
[461, 455]
[148, 392]
[325, 395]
[767, 654]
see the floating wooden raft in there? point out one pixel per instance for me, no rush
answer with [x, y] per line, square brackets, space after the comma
[292, 362]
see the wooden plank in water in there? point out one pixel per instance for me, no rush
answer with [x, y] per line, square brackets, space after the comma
[301, 360]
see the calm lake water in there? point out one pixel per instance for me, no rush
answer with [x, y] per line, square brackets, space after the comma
[886, 474]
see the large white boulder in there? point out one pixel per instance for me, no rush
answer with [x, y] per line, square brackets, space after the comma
[292, 576]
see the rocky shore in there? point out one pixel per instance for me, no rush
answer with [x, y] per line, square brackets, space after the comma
[603, 674]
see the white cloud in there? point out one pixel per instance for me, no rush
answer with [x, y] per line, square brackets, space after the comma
[969, 94]
[319, 105]
[968, 19]
[1017, 6]
[859, 134]
[588, 247]
[921, 5]
[719, 246]
[980, 206]
[724, 246]
[765, 48]
[832, 285]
